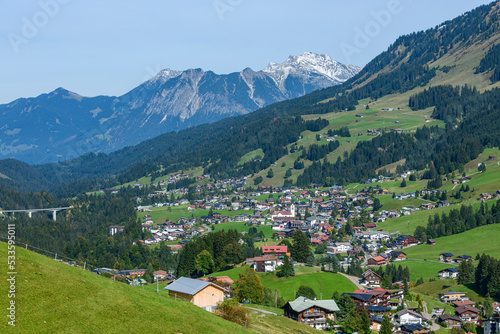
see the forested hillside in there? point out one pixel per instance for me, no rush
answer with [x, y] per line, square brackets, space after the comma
[406, 65]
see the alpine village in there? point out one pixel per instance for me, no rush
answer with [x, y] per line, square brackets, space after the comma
[368, 206]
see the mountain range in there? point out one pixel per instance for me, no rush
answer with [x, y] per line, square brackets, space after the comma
[63, 125]
[460, 52]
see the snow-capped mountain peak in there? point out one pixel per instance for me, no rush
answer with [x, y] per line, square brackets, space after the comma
[311, 63]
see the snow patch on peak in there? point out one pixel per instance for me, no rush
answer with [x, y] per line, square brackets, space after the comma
[165, 75]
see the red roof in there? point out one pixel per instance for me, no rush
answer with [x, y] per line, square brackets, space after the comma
[274, 249]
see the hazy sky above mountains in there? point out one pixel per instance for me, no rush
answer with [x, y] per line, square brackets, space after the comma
[109, 47]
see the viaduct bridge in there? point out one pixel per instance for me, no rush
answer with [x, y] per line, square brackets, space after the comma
[30, 211]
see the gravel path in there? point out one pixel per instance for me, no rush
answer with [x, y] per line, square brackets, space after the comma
[353, 279]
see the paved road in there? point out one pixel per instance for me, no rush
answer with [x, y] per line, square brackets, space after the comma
[426, 315]
[353, 279]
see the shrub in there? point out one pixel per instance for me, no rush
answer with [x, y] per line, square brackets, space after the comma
[230, 310]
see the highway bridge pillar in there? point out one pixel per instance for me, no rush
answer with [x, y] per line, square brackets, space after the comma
[54, 215]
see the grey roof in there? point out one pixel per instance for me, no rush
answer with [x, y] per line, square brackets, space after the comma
[189, 286]
[302, 303]
[376, 308]
[413, 327]
[405, 311]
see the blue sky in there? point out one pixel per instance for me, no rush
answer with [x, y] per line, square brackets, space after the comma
[109, 47]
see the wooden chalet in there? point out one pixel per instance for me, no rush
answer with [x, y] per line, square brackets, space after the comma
[407, 240]
[451, 321]
[468, 313]
[371, 278]
[314, 313]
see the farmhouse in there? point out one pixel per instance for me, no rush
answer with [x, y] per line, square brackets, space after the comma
[315, 313]
[203, 294]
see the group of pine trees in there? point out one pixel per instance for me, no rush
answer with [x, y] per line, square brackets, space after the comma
[459, 220]
[210, 253]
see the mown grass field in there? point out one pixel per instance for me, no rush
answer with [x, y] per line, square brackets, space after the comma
[432, 289]
[241, 227]
[423, 269]
[484, 239]
[321, 282]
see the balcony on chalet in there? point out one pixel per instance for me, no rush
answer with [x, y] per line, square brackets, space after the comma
[313, 314]
[314, 321]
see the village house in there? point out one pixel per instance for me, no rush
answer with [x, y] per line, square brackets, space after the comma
[446, 257]
[315, 313]
[407, 240]
[370, 278]
[264, 264]
[461, 258]
[451, 321]
[486, 196]
[496, 307]
[275, 250]
[414, 329]
[448, 273]
[160, 275]
[376, 297]
[398, 256]
[379, 311]
[116, 229]
[131, 272]
[339, 247]
[466, 302]
[468, 313]
[203, 294]
[378, 260]
[376, 323]
[407, 317]
[451, 296]
[492, 326]
[428, 206]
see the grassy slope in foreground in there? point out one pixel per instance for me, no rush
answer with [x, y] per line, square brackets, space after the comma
[322, 282]
[52, 297]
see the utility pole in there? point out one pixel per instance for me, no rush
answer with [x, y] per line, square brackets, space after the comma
[276, 298]
[157, 284]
